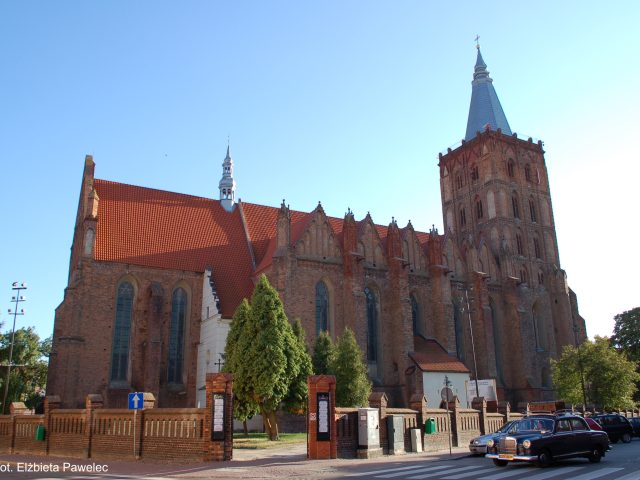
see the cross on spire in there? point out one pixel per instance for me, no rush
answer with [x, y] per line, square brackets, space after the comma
[477, 41]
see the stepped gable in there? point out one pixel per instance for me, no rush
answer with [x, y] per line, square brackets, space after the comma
[155, 228]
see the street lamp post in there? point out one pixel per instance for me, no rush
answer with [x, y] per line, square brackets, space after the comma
[17, 298]
[447, 384]
[473, 343]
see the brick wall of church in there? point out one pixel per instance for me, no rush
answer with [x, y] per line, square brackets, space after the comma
[83, 334]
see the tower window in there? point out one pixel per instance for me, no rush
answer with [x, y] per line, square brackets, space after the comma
[463, 218]
[536, 247]
[511, 168]
[479, 212]
[475, 174]
[523, 275]
[519, 244]
[527, 172]
[459, 181]
[532, 210]
[415, 316]
[540, 278]
[515, 207]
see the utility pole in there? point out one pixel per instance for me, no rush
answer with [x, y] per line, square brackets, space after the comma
[447, 384]
[17, 298]
[473, 344]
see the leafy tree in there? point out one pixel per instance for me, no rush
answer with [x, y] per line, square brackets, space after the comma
[323, 353]
[265, 356]
[352, 383]
[28, 377]
[609, 377]
[626, 333]
[296, 399]
[243, 406]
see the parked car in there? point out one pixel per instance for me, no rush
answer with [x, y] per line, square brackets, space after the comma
[478, 445]
[616, 426]
[593, 425]
[545, 438]
[635, 423]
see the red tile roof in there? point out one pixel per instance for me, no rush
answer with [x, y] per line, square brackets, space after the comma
[430, 356]
[154, 228]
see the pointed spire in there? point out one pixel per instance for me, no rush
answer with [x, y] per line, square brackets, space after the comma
[485, 111]
[227, 184]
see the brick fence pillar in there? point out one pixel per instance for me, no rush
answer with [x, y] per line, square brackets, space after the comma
[504, 408]
[218, 418]
[480, 404]
[321, 403]
[51, 402]
[92, 402]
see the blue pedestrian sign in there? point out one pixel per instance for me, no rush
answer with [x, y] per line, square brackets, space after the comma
[136, 401]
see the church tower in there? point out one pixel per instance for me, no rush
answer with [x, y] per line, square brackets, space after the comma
[227, 184]
[497, 211]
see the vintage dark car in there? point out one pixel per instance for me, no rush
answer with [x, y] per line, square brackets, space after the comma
[478, 445]
[545, 438]
[616, 426]
[635, 423]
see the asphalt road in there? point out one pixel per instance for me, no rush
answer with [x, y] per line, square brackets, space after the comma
[622, 463]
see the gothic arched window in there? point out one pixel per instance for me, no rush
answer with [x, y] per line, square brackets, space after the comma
[463, 217]
[322, 308]
[527, 172]
[536, 247]
[415, 315]
[519, 244]
[372, 325]
[511, 168]
[515, 206]
[176, 335]
[479, 210]
[475, 173]
[532, 210]
[122, 333]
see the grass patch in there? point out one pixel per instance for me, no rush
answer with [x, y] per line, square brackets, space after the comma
[257, 441]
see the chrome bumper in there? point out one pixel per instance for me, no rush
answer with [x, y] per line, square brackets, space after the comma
[514, 458]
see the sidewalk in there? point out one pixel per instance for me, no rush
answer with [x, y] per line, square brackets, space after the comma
[286, 462]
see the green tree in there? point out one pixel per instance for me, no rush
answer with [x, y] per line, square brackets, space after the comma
[609, 377]
[296, 399]
[626, 333]
[265, 356]
[352, 383]
[244, 406]
[323, 353]
[28, 377]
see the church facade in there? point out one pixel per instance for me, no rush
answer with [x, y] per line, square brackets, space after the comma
[155, 277]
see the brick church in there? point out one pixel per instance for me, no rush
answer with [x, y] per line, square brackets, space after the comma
[155, 277]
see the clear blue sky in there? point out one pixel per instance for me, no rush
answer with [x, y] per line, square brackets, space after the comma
[347, 102]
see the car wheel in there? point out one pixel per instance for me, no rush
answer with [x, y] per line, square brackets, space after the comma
[545, 459]
[626, 438]
[500, 463]
[596, 455]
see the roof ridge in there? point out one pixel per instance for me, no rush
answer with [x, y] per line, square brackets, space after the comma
[111, 182]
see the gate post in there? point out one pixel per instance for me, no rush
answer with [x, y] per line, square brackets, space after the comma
[321, 422]
[218, 418]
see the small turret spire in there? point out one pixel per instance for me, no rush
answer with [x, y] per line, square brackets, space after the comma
[485, 111]
[227, 184]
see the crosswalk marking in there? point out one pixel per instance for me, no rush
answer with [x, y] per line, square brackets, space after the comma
[553, 472]
[630, 476]
[506, 474]
[386, 470]
[596, 474]
[469, 474]
[433, 474]
[419, 470]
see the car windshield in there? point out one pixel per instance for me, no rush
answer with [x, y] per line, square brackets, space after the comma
[535, 424]
[506, 427]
